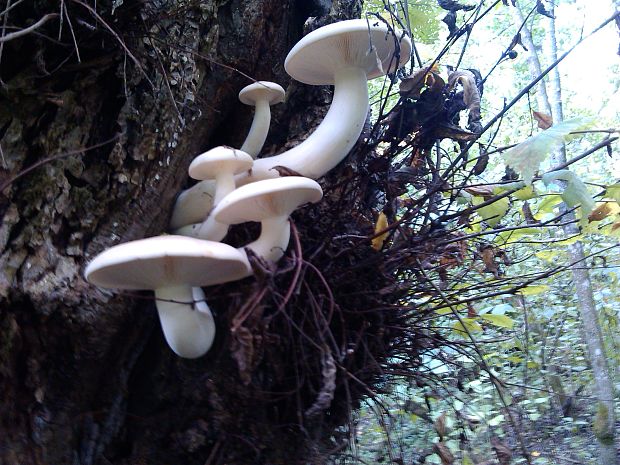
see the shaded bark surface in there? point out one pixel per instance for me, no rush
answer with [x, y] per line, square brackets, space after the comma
[85, 375]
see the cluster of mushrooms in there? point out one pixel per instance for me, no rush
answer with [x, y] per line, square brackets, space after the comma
[234, 187]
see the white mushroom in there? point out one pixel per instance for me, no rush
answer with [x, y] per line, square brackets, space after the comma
[193, 204]
[171, 265]
[338, 54]
[221, 164]
[261, 94]
[345, 54]
[271, 202]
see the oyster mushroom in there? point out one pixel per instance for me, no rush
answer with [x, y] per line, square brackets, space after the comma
[345, 54]
[170, 266]
[261, 94]
[270, 201]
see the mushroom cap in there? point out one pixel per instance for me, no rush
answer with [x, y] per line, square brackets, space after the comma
[265, 199]
[164, 261]
[219, 159]
[316, 58]
[262, 90]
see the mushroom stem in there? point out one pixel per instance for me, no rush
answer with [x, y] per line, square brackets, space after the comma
[273, 239]
[333, 138]
[224, 185]
[209, 229]
[255, 139]
[193, 205]
[186, 320]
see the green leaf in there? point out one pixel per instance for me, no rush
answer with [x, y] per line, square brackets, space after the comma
[547, 205]
[494, 212]
[575, 191]
[613, 192]
[502, 321]
[526, 157]
[508, 237]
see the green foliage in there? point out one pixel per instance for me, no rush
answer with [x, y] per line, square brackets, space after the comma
[527, 157]
[574, 192]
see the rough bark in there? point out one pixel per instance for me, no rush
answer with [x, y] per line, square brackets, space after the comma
[85, 375]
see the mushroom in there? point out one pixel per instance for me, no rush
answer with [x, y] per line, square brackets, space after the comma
[171, 265]
[193, 204]
[261, 94]
[345, 54]
[221, 164]
[271, 202]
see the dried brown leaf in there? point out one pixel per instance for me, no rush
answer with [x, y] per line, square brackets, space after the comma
[600, 213]
[284, 171]
[482, 191]
[471, 94]
[444, 453]
[440, 425]
[544, 120]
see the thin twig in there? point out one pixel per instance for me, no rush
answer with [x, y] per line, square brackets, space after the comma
[29, 29]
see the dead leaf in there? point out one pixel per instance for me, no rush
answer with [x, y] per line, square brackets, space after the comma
[540, 8]
[284, 171]
[481, 162]
[450, 131]
[471, 94]
[444, 453]
[451, 5]
[488, 258]
[483, 191]
[528, 215]
[502, 451]
[412, 85]
[440, 426]
[471, 311]
[544, 120]
[600, 213]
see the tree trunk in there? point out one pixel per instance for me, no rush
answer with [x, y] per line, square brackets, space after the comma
[604, 424]
[85, 375]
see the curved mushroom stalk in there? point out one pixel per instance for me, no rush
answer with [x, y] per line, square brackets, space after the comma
[345, 54]
[209, 229]
[186, 320]
[273, 241]
[257, 135]
[332, 139]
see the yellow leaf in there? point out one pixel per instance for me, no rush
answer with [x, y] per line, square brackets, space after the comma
[526, 193]
[613, 191]
[508, 237]
[569, 241]
[469, 325]
[382, 223]
[548, 255]
[535, 453]
[532, 290]
[547, 205]
[502, 321]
